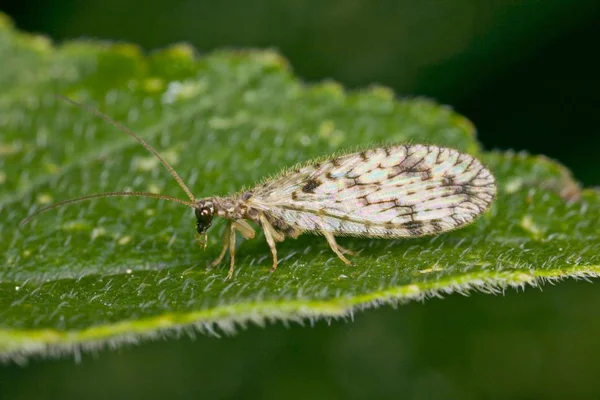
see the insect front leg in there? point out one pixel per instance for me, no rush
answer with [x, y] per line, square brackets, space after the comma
[226, 240]
[247, 232]
[229, 242]
[271, 235]
[335, 247]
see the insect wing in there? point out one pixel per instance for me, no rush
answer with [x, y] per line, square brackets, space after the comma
[398, 191]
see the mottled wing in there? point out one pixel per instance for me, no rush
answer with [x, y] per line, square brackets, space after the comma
[399, 191]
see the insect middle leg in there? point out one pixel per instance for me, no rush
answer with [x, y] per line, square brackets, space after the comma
[226, 241]
[271, 235]
[339, 250]
[229, 242]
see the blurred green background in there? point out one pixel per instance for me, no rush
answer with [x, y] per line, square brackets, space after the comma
[525, 72]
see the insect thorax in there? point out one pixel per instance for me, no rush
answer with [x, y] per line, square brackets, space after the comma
[228, 207]
[235, 208]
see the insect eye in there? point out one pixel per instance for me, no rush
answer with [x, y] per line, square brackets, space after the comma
[204, 214]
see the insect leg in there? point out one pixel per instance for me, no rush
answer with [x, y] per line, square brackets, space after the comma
[270, 234]
[225, 247]
[244, 228]
[231, 249]
[335, 247]
[344, 250]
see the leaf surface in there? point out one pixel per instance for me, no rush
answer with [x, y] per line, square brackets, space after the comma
[115, 270]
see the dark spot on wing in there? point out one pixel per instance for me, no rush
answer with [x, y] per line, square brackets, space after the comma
[436, 225]
[447, 181]
[415, 228]
[463, 189]
[311, 185]
[246, 196]
[389, 225]
[415, 231]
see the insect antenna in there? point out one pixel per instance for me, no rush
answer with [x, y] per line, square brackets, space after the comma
[128, 131]
[107, 194]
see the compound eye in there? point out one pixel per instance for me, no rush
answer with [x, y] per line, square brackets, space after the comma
[203, 213]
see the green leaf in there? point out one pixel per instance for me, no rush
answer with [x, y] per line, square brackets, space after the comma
[115, 270]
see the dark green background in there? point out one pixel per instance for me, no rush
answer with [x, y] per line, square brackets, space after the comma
[525, 72]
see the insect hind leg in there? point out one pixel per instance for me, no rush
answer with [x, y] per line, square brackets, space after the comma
[271, 235]
[344, 250]
[337, 249]
[231, 250]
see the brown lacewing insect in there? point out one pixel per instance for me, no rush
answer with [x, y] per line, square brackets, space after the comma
[385, 192]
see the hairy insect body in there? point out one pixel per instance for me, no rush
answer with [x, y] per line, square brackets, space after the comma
[231, 207]
[237, 210]
[240, 208]
[386, 192]
[383, 192]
